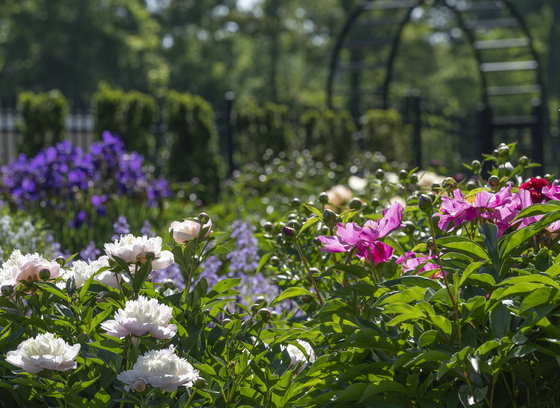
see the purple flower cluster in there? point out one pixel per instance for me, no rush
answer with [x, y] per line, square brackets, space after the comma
[244, 257]
[64, 171]
[90, 252]
[173, 273]
[121, 227]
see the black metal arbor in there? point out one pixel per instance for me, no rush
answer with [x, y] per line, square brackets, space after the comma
[362, 63]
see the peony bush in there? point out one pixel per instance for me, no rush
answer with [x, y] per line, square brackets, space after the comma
[406, 296]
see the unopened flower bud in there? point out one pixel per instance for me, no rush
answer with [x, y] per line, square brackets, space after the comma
[268, 226]
[315, 272]
[425, 203]
[274, 261]
[279, 239]
[430, 244]
[471, 185]
[150, 255]
[294, 224]
[296, 203]
[60, 260]
[504, 152]
[7, 290]
[264, 314]
[203, 218]
[523, 161]
[449, 182]
[139, 386]
[355, 204]
[289, 234]
[199, 383]
[547, 176]
[255, 308]
[432, 195]
[414, 178]
[409, 227]
[475, 164]
[225, 321]
[323, 198]
[379, 174]
[44, 274]
[496, 153]
[494, 181]
[403, 174]
[435, 186]
[329, 217]
[375, 203]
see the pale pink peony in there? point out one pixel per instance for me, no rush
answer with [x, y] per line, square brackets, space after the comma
[44, 352]
[141, 317]
[187, 230]
[27, 267]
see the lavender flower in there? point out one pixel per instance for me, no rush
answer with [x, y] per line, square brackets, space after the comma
[121, 227]
[147, 229]
[172, 273]
[90, 252]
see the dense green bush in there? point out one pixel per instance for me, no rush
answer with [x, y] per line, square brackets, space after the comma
[42, 120]
[129, 114]
[383, 130]
[193, 149]
[328, 131]
[260, 128]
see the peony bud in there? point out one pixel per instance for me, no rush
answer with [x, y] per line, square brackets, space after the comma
[379, 174]
[523, 161]
[496, 153]
[435, 186]
[414, 178]
[504, 152]
[323, 198]
[60, 260]
[294, 224]
[409, 227]
[264, 314]
[44, 274]
[255, 308]
[7, 290]
[449, 183]
[274, 261]
[203, 218]
[279, 239]
[296, 203]
[355, 204]
[199, 382]
[403, 175]
[268, 226]
[475, 164]
[430, 244]
[139, 386]
[289, 234]
[329, 217]
[471, 185]
[375, 202]
[494, 181]
[425, 203]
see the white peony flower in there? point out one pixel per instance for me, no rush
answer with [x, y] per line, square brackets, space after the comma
[187, 230]
[161, 369]
[82, 271]
[27, 267]
[44, 352]
[140, 317]
[135, 250]
[297, 356]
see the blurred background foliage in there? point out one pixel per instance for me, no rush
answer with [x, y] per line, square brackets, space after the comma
[262, 50]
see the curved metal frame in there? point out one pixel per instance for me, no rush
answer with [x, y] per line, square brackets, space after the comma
[484, 97]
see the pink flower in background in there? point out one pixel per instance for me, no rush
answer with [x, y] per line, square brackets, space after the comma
[352, 236]
[459, 209]
[551, 192]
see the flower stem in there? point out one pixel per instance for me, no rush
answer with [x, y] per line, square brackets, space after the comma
[310, 274]
[190, 399]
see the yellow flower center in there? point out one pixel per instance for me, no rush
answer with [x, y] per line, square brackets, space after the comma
[470, 199]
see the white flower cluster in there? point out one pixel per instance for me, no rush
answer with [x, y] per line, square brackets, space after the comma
[27, 267]
[81, 271]
[161, 369]
[140, 317]
[44, 352]
[136, 249]
[297, 356]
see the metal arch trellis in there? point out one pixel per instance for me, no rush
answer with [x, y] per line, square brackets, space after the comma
[467, 15]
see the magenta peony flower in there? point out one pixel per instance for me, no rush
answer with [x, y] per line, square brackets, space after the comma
[412, 260]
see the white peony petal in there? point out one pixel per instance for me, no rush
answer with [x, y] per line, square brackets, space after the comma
[165, 260]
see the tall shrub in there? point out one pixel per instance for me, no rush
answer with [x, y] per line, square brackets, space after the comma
[328, 132]
[42, 120]
[193, 151]
[383, 130]
[260, 128]
[130, 114]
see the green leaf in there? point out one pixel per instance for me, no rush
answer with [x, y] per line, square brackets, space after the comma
[490, 234]
[53, 289]
[264, 260]
[429, 356]
[308, 223]
[221, 249]
[463, 245]
[141, 275]
[427, 338]
[530, 279]
[500, 319]
[473, 267]
[383, 386]
[314, 211]
[413, 281]
[290, 293]
[223, 286]
[356, 270]
[537, 209]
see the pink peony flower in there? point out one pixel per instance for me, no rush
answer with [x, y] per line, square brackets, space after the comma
[536, 187]
[187, 230]
[413, 260]
[27, 267]
[378, 251]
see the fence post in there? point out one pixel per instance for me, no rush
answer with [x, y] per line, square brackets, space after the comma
[538, 135]
[485, 133]
[417, 141]
[230, 96]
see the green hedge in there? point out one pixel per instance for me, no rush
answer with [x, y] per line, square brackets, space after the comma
[42, 120]
[328, 132]
[193, 151]
[260, 128]
[129, 114]
[384, 131]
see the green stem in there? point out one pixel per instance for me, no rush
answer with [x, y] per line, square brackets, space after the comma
[190, 399]
[310, 274]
